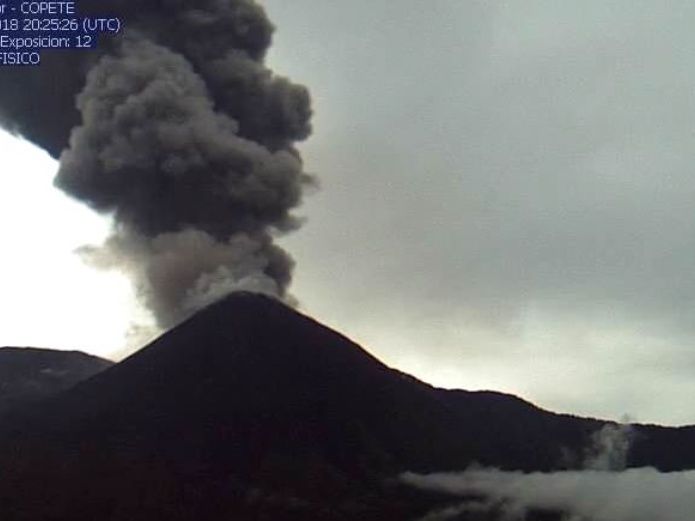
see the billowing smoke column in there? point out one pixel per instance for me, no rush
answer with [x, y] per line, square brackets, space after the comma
[178, 129]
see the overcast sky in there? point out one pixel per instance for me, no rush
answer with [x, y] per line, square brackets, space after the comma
[507, 193]
[506, 202]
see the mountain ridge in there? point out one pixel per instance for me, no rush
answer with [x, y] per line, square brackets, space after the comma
[251, 409]
[29, 374]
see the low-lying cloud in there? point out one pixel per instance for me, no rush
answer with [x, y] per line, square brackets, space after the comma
[604, 490]
[641, 494]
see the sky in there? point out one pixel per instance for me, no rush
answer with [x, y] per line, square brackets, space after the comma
[50, 297]
[505, 203]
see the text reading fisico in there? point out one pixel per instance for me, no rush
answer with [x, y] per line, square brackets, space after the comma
[20, 58]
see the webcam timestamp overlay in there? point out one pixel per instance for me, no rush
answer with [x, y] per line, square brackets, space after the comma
[27, 28]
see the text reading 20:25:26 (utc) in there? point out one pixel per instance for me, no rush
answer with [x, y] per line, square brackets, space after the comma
[99, 25]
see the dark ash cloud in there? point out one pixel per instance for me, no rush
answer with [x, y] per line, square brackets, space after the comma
[179, 130]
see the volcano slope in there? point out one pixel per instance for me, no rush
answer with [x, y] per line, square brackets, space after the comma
[251, 410]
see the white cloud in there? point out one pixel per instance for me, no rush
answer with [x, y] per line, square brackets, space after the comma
[633, 495]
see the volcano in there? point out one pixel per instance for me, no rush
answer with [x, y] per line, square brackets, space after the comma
[251, 410]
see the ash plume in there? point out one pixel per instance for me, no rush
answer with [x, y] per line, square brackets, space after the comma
[178, 130]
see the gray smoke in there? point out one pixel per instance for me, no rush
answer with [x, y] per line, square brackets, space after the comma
[609, 447]
[178, 129]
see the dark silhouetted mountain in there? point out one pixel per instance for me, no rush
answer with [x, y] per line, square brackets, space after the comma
[30, 374]
[250, 410]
